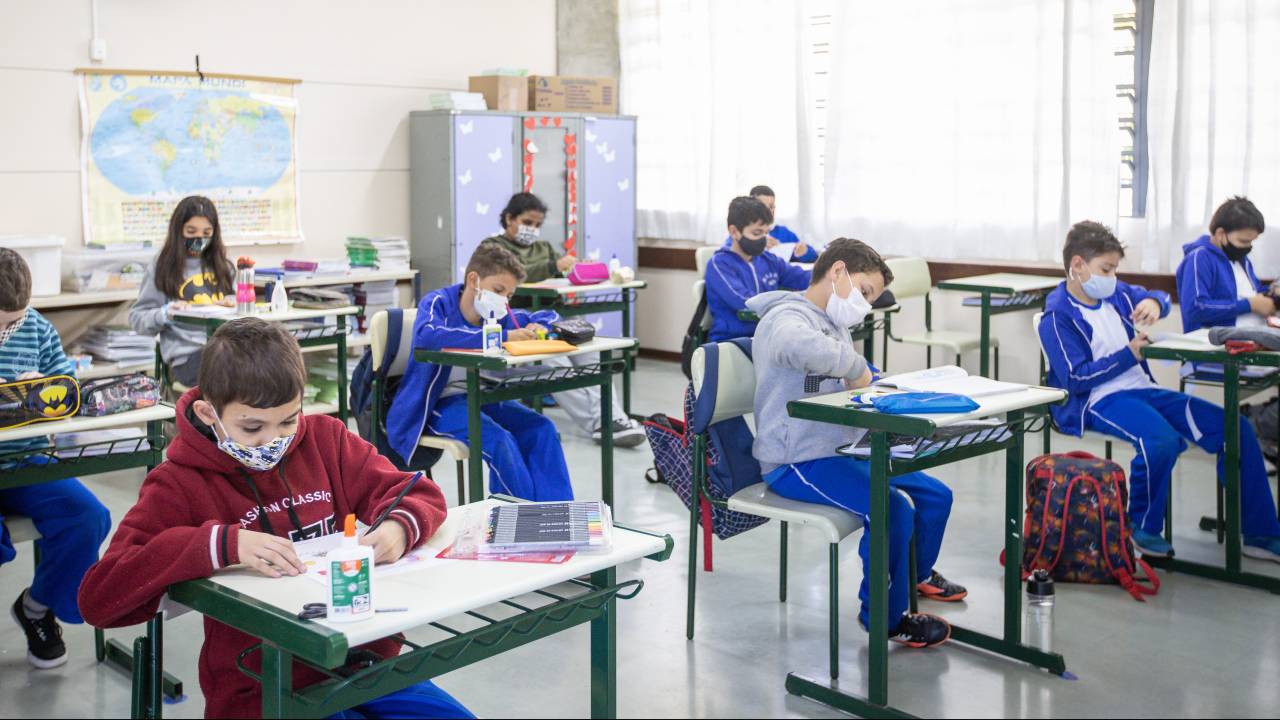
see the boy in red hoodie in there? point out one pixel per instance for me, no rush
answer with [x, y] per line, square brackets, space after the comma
[247, 476]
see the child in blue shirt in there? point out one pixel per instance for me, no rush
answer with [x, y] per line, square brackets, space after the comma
[782, 241]
[742, 270]
[1217, 286]
[520, 446]
[71, 521]
[1094, 348]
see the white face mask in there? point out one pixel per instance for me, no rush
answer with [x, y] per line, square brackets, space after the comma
[489, 303]
[527, 234]
[846, 312]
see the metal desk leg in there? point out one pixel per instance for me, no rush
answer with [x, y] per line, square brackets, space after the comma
[984, 335]
[277, 680]
[342, 368]
[869, 340]
[475, 463]
[606, 432]
[1231, 466]
[604, 652]
[628, 300]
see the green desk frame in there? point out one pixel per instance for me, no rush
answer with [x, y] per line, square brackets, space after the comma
[535, 386]
[284, 638]
[1019, 422]
[623, 301]
[985, 292]
[1231, 570]
[81, 464]
[877, 319]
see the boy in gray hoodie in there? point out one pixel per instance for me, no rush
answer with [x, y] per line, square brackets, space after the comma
[801, 349]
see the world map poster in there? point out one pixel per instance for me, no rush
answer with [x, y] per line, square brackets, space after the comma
[151, 139]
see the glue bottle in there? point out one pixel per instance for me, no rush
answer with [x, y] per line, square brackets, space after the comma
[492, 334]
[279, 298]
[350, 596]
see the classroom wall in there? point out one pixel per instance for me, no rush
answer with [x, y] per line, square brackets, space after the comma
[364, 66]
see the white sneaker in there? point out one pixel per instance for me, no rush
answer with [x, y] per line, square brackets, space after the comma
[626, 433]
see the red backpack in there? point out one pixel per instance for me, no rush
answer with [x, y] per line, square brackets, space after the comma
[1075, 525]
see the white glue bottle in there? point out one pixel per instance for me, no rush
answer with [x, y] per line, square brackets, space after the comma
[492, 334]
[350, 596]
[279, 298]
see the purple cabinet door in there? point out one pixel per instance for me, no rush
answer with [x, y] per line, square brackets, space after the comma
[608, 201]
[484, 179]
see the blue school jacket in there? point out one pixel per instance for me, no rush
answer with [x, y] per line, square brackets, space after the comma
[1065, 337]
[731, 281]
[783, 234]
[1207, 287]
[439, 325]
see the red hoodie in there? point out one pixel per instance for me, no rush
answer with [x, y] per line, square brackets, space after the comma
[189, 514]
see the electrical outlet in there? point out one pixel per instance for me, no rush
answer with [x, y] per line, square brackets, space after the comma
[98, 50]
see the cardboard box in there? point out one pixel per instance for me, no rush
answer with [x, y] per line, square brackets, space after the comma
[502, 92]
[562, 93]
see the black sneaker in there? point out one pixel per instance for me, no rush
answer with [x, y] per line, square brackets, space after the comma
[941, 589]
[921, 630]
[45, 648]
[626, 433]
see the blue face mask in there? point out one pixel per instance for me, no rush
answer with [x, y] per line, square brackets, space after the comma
[1099, 287]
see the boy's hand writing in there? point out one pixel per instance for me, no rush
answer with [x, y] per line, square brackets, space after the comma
[521, 334]
[268, 554]
[388, 542]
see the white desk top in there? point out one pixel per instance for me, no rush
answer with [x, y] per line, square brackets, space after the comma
[74, 299]
[988, 406]
[351, 278]
[84, 423]
[291, 314]
[598, 344]
[1016, 282]
[441, 588]
[564, 288]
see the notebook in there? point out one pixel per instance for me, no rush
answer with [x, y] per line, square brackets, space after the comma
[950, 379]
[582, 526]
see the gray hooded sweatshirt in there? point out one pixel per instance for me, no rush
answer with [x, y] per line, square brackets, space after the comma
[149, 314]
[798, 352]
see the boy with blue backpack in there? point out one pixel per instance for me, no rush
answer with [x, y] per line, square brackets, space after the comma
[801, 349]
[1090, 335]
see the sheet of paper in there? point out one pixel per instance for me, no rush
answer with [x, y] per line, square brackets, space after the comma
[313, 552]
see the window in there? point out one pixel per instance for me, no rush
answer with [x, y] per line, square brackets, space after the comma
[816, 40]
[1132, 24]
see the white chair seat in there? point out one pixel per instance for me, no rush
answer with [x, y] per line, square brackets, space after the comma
[759, 500]
[456, 449]
[957, 341]
[21, 528]
[178, 387]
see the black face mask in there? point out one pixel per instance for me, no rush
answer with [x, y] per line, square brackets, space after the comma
[1236, 254]
[196, 245]
[753, 247]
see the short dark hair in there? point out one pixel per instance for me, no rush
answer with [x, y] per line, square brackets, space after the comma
[857, 256]
[759, 190]
[744, 211]
[1238, 213]
[491, 258]
[1089, 239]
[15, 281]
[519, 204]
[254, 362]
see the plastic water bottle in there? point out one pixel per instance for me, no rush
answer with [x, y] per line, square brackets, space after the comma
[614, 264]
[1038, 626]
[246, 294]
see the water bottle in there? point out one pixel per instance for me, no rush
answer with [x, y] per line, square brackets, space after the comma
[246, 294]
[1038, 627]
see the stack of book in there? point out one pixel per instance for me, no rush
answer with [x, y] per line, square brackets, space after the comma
[458, 100]
[388, 254]
[119, 344]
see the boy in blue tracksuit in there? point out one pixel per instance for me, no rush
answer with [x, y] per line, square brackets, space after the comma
[743, 269]
[1089, 335]
[782, 240]
[71, 521]
[802, 348]
[520, 446]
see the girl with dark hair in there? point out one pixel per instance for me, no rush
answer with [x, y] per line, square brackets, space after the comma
[521, 221]
[191, 269]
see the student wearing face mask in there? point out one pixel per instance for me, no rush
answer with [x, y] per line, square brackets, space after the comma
[742, 270]
[191, 269]
[520, 446]
[521, 222]
[783, 241]
[801, 349]
[247, 476]
[1091, 335]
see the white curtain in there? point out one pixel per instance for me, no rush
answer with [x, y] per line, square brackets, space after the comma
[1214, 122]
[976, 129]
[715, 86]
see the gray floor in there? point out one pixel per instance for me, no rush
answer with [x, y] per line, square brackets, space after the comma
[1199, 648]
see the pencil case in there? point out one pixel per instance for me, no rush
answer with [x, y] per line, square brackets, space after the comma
[589, 273]
[923, 403]
[108, 396]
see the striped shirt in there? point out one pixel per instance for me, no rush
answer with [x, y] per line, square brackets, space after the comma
[35, 347]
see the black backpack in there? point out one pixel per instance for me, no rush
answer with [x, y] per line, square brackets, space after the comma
[693, 337]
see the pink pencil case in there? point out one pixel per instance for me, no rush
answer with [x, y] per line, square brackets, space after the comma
[589, 273]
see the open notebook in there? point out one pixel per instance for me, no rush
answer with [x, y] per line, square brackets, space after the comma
[949, 379]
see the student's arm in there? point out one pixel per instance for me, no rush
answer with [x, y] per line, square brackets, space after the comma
[725, 297]
[370, 483]
[53, 361]
[1071, 357]
[155, 546]
[793, 343]
[1138, 294]
[794, 277]
[1193, 295]
[541, 317]
[785, 235]
[150, 312]
[433, 332]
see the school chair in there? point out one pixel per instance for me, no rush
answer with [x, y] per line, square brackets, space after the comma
[455, 449]
[701, 257]
[699, 290]
[727, 390]
[911, 279]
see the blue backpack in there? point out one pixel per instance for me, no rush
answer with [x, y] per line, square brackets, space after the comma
[362, 395]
